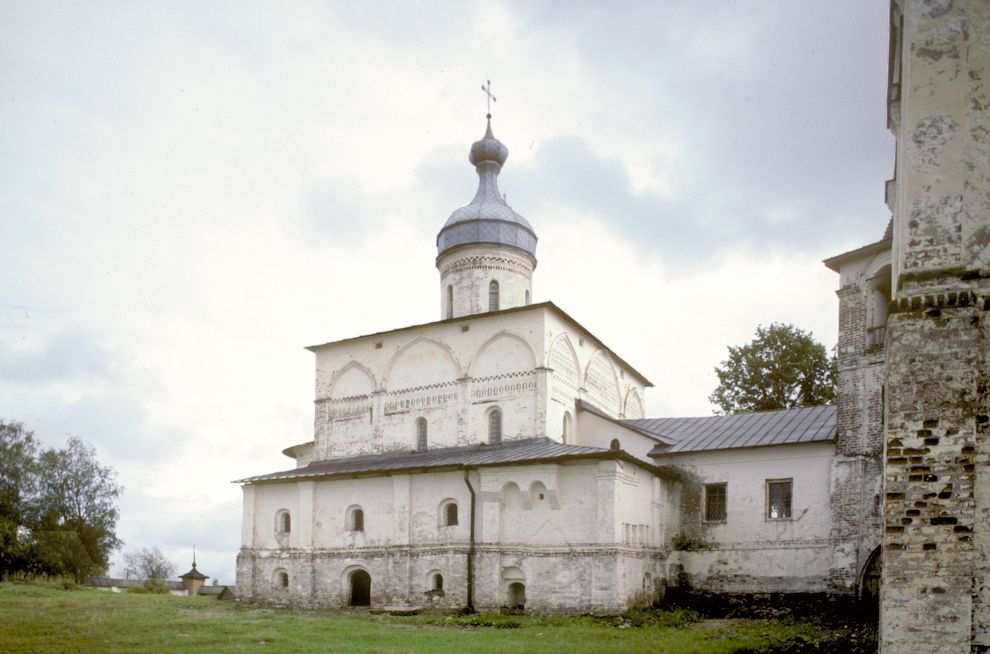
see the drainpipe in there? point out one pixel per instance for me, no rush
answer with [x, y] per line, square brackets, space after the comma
[470, 554]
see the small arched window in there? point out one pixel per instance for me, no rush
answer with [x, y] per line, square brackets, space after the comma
[450, 515]
[450, 302]
[280, 580]
[565, 432]
[283, 526]
[527, 298]
[615, 444]
[421, 435]
[495, 427]
[355, 519]
[437, 582]
[493, 296]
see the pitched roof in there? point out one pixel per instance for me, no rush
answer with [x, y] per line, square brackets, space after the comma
[804, 425]
[527, 450]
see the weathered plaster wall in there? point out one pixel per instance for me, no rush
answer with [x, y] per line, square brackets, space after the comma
[532, 365]
[468, 271]
[936, 505]
[856, 476]
[596, 523]
[749, 552]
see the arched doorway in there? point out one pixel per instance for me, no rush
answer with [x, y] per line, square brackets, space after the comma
[360, 588]
[517, 596]
[869, 583]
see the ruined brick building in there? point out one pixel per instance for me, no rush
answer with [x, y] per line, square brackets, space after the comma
[935, 594]
[501, 456]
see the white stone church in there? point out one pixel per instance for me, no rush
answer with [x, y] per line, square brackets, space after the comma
[501, 458]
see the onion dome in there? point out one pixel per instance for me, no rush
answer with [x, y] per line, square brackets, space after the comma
[488, 220]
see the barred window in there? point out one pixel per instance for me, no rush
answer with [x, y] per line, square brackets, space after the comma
[715, 502]
[495, 427]
[779, 499]
[493, 304]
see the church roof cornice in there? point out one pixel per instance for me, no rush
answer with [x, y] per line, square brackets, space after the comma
[836, 262]
[546, 306]
[526, 451]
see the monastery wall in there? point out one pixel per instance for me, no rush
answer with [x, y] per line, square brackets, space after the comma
[748, 551]
[857, 470]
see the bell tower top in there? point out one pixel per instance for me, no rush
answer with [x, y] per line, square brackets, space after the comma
[486, 241]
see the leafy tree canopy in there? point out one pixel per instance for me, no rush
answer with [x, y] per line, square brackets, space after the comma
[18, 470]
[782, 368]
[147, 563]
[58, 507]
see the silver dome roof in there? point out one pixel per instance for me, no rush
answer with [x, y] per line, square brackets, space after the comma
[488, 219]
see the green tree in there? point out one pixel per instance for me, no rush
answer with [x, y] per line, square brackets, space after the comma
[783, 367]
[18, 471]
[76, 494]
[147, 563]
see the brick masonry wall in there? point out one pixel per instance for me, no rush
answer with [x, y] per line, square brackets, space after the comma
[934, 594]
[935, 438]
[856, 468]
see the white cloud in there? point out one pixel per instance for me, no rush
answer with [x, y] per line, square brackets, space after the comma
[194, 192]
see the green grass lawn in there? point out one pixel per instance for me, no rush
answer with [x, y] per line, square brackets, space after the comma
[45, 619]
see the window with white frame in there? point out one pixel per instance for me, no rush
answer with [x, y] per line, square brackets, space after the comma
[779, 493]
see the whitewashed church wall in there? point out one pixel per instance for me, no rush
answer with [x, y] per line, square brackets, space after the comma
[470, 271]
[375, 496]
[583, 369]
[595, 431]
[440, 372]
[638, 522]
[429, 494]
[267, 501]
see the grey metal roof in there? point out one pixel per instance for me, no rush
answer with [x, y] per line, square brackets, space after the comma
[804, 425]
[525, 450]
[487, 219]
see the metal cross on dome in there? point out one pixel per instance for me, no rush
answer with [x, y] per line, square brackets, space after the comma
[487, 88]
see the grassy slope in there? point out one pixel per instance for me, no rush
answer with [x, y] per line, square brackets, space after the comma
[39, 619]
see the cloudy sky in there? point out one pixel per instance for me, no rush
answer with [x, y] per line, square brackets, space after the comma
[190, 192]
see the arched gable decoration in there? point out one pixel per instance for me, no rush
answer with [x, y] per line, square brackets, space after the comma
[633, 408]
[503, 353]
[424, 361]
[563, 360]
[602, 383]
[353, 380]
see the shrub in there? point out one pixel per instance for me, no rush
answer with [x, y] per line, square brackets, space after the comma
[492, 620]
[151, 587]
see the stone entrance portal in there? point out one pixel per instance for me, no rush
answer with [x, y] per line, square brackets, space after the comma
[360, 588]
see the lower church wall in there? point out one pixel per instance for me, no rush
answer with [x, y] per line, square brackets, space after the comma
[583, 580]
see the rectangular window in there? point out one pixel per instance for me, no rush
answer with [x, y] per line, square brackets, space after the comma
[715, 502]
[779, 499]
